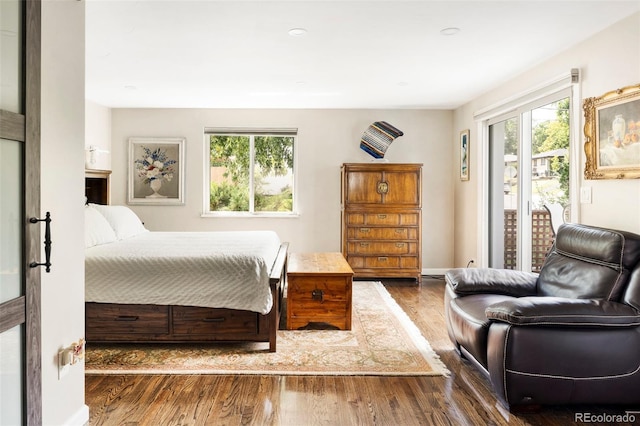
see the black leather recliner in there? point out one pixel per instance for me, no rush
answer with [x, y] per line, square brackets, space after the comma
[569, 335]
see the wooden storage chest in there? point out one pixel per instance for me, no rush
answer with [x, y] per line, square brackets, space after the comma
[318, 290]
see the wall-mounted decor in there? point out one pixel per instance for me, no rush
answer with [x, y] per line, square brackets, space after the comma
[156, 171]
[93, 155]
[612, 134]
[464, 155]
[377, 138]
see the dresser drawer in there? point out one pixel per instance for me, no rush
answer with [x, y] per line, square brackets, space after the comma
[379, 233]
[382, 247]
[383, 262]
[385, 219]
[189, 320]
[106, 318]
[391, 219]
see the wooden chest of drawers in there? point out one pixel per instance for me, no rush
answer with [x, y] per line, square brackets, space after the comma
[382, 219]
[318, 290]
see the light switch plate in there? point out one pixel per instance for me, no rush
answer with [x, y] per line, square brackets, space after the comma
[585, 195]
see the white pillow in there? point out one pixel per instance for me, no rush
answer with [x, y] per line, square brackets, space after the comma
[123, 220]
[96, 228]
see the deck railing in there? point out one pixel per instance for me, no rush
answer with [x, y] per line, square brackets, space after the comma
[541, 237]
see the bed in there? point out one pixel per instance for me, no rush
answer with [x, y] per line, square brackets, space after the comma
[143, 286]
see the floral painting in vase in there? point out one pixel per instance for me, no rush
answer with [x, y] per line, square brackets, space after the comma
[156, 171]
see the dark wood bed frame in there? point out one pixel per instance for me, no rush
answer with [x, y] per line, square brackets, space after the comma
[110, 322]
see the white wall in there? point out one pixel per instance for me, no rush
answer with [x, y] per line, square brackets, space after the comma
[607, 61]
[62, 170]
[326, 139]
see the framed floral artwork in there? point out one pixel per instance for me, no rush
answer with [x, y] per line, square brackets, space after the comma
[156, 171]
[464, 155]
[612, 134]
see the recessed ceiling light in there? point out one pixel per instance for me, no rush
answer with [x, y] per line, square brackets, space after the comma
[449, 31]
[130, 87]
[297, 32]
[403, 83]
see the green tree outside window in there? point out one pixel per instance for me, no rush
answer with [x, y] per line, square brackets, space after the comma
[236, 180]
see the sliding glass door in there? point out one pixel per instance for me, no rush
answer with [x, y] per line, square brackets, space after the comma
[528, 182]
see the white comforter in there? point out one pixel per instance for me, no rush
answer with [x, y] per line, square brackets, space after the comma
[207, 269]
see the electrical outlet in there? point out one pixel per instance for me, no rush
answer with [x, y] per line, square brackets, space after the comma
[69, 356]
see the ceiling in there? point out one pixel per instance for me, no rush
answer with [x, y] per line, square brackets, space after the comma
[354, 54]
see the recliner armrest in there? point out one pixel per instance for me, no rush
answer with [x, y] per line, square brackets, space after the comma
[545, 311]
[464, 281]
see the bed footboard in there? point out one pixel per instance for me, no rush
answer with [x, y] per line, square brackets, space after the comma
[277, 281]
[110, 322]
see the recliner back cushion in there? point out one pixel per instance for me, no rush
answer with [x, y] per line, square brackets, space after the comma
[589, 263]
[632, 294]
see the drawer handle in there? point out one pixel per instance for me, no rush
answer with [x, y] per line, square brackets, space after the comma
[382, 216]
[216, 319]
[382, 187]
[317, 295]
[365, 230]
[364, 244]
[399, 245]
[400, 231]
[127, 318]
[383, 259]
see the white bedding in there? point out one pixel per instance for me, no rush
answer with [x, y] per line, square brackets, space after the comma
[207, 269]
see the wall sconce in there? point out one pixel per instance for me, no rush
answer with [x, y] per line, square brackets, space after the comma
[91, 156]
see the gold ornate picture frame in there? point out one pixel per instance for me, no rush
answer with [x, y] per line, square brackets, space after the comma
[612, 134]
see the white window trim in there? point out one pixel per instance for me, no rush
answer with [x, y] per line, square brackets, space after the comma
[570, 80]
[207, 171]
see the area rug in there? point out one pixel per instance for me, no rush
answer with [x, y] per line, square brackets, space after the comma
[383, 342]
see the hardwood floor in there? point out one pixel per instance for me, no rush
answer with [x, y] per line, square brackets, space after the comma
[464, 398]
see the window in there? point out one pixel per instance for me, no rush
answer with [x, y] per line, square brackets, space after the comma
[250, 171]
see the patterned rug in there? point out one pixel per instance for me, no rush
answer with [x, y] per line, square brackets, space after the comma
[383, 342]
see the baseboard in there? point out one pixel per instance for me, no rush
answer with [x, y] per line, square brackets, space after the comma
[80, 418]
[434, 271]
